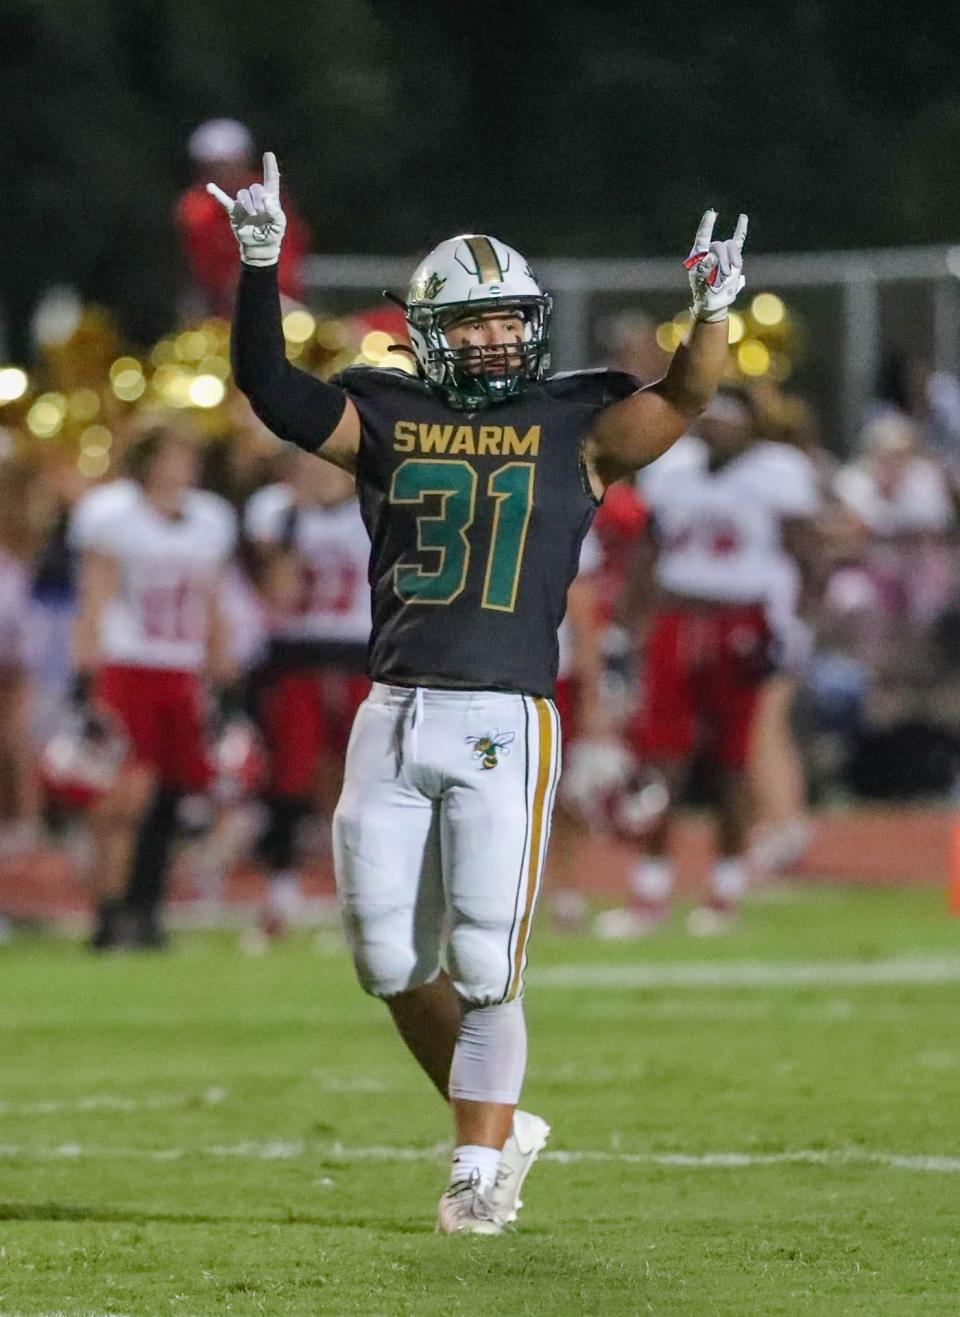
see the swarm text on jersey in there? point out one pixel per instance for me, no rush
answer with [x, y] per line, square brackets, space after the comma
[474, 440]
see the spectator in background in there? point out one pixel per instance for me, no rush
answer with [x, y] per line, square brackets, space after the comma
[904, 579]
[222, 152]
[243, 458]
[908, 386]
[59, 487]
[896, 490]
[630, 344]
[19, 798]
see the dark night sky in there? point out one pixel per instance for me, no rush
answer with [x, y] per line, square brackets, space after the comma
[571, 129]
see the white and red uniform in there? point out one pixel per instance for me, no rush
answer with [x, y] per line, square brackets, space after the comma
[97, 504]
[720, 565]
[154, 631]
[318, 649]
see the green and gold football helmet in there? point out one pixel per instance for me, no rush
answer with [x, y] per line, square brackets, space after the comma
[472, 274]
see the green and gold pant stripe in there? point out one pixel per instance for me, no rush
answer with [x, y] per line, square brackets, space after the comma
[543, 724]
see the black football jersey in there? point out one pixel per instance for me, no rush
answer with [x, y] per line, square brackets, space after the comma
[475, 521]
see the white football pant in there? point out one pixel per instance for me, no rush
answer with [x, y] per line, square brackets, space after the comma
[440, 836]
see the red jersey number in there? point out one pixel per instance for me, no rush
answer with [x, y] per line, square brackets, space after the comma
[328, 592]
[171, 613]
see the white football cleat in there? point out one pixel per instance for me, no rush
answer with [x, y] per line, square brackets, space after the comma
[777, 848]
[713, 920]
[465, 1208]
[639, 920]
[528, 1134]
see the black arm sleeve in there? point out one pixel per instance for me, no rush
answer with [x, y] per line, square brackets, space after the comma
[294, 405]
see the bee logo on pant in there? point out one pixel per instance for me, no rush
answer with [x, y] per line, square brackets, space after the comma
[487, 746]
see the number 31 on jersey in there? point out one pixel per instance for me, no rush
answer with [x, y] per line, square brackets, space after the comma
[455, 483]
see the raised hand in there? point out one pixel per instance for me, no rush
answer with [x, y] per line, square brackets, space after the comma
[715, 268]
[256, 216]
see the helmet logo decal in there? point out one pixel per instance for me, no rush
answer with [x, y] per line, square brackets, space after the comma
[488, 267]
[468, 275]
[428, 287]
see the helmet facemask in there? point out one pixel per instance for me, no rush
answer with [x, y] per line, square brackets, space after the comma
[474, 274]
[471, 378]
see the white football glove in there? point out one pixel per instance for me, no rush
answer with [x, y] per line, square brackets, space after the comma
[715, 269]
[256, 216]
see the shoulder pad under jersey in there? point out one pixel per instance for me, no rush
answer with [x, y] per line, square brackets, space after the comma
[368, 381]
[594, 388]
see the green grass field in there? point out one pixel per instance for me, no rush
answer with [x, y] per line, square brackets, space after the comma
[763, 1124]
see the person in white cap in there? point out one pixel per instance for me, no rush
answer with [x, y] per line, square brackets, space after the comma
[223, 150]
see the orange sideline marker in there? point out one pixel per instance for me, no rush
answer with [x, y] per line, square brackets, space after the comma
[953, 872]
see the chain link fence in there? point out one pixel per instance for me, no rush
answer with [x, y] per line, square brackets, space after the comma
[845, 311]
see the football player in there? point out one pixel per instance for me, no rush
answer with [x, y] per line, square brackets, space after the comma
[315, 548]
[148, 629]
[478, 480]
[725, 506]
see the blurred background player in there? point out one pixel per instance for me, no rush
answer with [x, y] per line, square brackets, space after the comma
[57, 491]
[222, 151]
[314, 551]
[724, 505]
[148, 631]
[578, 696]
[629, 342]
[902, 498]
[619, 525]
[19, 798]
[782, 827]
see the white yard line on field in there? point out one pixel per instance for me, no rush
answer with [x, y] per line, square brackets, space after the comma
[331, 1083]
[294, 1149]
[110, 1102]
[908, 971]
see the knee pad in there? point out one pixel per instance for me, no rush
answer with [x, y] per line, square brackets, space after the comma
[491, 1054]
[479, 960]
[391, 902]
[387, 955]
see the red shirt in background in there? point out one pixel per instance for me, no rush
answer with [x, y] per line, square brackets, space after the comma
[211, 248]
[620, 521]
